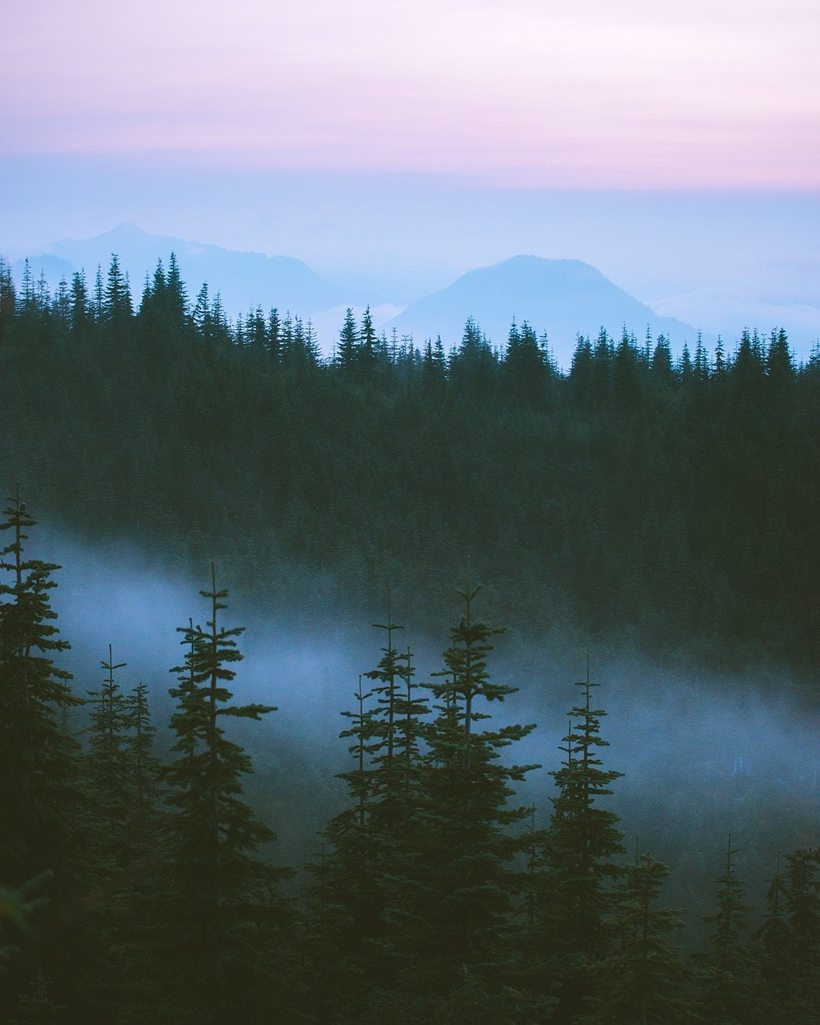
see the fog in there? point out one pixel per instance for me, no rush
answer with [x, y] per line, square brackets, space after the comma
[704, 754]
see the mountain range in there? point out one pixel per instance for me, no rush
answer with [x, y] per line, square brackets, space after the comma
[243, 280]
[560, 297]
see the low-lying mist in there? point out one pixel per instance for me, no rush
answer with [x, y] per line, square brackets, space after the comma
[703, 755]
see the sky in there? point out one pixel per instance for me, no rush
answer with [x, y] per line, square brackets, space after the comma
[372, 134]
[525, 92]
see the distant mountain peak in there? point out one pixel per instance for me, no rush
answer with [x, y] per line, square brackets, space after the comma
[562, 297]
[243, 279]
[128, 228]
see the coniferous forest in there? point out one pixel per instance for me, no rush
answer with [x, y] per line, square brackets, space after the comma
[670, 499]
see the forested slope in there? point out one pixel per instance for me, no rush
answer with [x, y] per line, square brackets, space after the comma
[673, 498]
[136, 888]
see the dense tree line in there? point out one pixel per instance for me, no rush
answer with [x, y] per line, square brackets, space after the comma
[674, 498]
[135, 890]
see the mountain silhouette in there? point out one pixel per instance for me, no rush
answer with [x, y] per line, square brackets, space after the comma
[562, 297]
[242, 279]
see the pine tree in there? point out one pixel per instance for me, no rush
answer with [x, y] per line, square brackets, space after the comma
[369, 856]
[344, 898]
[525, 368]
[725, 967]
[37, 759]
[80, 316]
[387, 757]
[117, 308]
[107, 760]
[773, 958]
[132, 969]
[466, 882]
[222, 905]
[473, 366]
[348, 347]
[122, 793]
[644, 979]
[176, 297]
[8, 298]
[803, 913]
[576, 897]
[368, 352]
[779, 365]
[42, 814]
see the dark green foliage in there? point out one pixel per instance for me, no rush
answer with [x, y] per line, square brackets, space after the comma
[773, 958]
[348, 348]
[677, 499]
[466, 816]
[803, 914]
[42, 814]
[573, 928]
[123, 785]
[107, 761]
[365, 880]
[644, 978]
[725, 969]
[673, 497]
[221, 906]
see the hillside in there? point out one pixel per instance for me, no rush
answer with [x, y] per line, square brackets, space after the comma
[674, 499]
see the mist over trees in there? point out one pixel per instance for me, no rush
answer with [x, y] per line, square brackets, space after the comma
[673, 499]
[137, 888]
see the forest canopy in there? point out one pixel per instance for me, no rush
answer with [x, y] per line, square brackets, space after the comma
[670, 499]
[673, 497]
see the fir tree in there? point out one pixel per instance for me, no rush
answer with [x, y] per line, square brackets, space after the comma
[644, 979]
[581, 843]
[725, 967]
[222, 906]
[8, 298]
[465, 889]
[107, 760]
[368, 351]
[117, 308]
[773, 958]
[803, 914]
[42, 814]
[348, 347]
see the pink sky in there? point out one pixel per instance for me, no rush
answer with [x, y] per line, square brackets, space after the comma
[636, 94]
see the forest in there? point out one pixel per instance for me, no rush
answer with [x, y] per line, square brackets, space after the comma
[671, 500]
[676, 499]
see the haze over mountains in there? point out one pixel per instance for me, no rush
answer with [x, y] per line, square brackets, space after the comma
[562, 297]
[242, 279]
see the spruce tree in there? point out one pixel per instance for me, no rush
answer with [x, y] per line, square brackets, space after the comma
[108, 762]
[43, 814]
[576, 899]
[773, 958]
[725, 969]
[803, 914]
[644, 979]
[465, 889]
[117, 307]
[222, 905]
[348, 348]
[370, 859]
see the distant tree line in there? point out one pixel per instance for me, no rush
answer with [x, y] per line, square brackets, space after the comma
[136, 890]
[670, 499]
